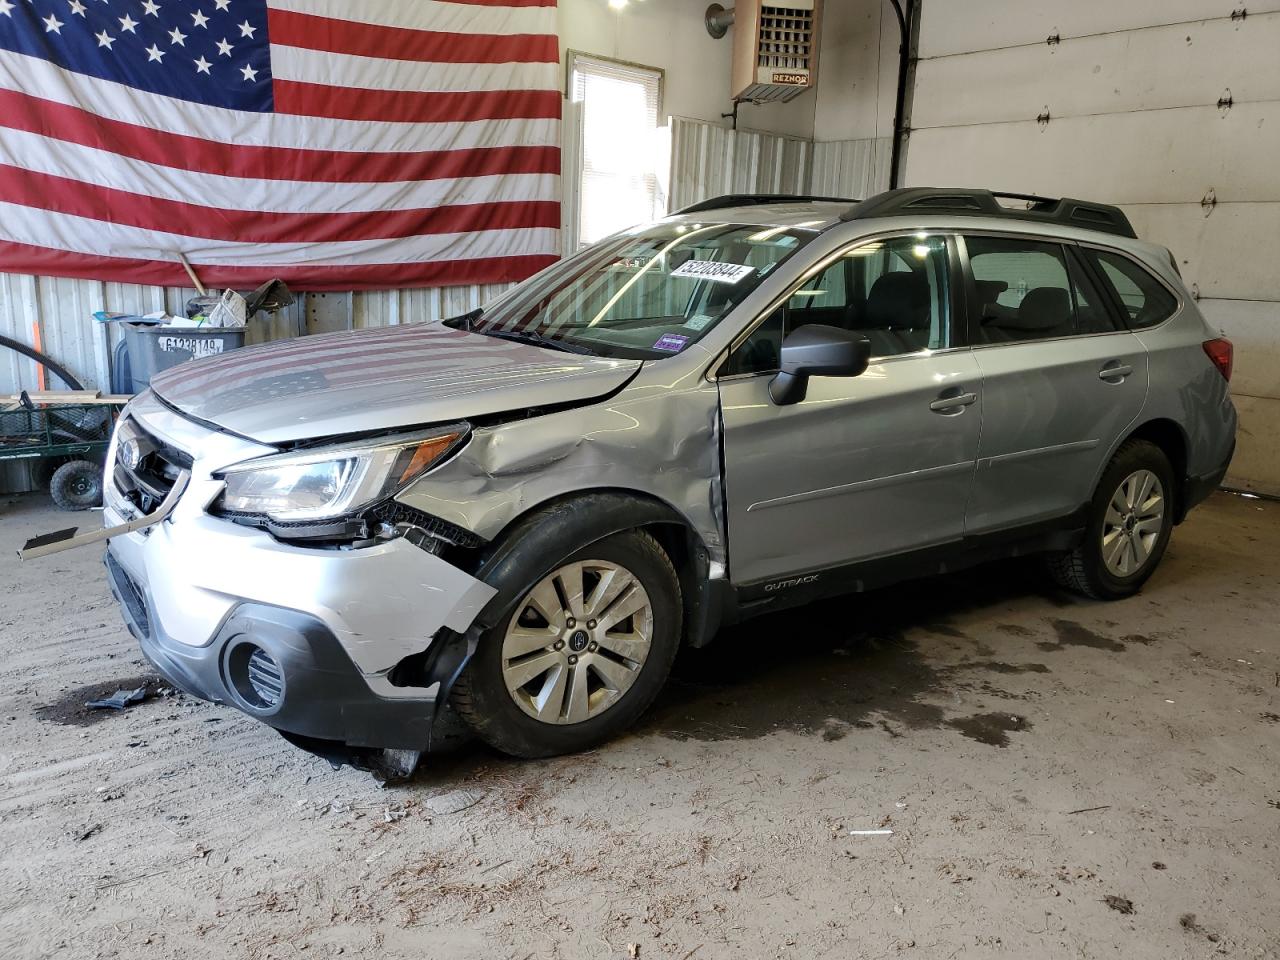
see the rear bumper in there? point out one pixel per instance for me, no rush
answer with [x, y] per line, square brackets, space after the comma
[1197, 489]
[313, 688]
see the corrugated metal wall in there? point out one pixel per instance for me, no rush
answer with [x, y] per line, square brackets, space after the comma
[62, 310]
[850, 168]
[709, 161]
[326, 312]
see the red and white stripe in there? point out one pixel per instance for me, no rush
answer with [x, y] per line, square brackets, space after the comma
[414, 143]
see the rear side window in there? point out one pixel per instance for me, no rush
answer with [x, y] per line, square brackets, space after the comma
[1031, 290]
[1145, 300]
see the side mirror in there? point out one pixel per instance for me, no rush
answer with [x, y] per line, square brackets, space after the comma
[817, 350]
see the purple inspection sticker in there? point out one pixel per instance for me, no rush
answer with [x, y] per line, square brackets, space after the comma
[671, 342]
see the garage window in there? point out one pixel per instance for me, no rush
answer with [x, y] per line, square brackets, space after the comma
[619, 181]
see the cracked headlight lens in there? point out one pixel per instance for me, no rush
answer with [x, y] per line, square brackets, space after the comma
[329, 482]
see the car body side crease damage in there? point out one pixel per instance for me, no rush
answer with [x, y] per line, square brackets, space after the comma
[663, 443]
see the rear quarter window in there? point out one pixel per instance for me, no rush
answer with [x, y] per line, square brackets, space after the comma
[1144, 299]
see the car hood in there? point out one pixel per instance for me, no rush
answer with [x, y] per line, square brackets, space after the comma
[378, 379]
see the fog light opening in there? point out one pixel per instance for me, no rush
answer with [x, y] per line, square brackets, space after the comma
[255, 676]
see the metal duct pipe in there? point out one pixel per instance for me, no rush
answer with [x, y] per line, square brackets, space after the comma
[718, 20]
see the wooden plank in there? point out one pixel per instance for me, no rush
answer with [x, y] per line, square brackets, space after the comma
[67, 396]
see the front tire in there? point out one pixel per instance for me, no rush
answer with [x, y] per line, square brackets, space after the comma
[581, 652]
[1130, 520]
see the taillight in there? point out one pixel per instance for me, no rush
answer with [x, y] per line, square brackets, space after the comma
[1221, 352]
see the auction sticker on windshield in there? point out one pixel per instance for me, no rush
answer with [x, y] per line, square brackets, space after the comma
[713, 270]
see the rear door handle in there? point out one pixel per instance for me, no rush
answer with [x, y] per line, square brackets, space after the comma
[1115, 371]
[953, 404]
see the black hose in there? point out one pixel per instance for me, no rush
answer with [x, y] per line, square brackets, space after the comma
[900, 97]
[39, 357]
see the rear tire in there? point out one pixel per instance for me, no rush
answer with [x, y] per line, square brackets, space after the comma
[77, 485]
[1130, 520]
[590, 680]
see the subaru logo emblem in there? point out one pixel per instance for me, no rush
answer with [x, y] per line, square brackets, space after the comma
[130, 454]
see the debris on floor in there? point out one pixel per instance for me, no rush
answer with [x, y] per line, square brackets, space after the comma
[120, 699]
[1118, 904]
[454, 801]
[72, 706]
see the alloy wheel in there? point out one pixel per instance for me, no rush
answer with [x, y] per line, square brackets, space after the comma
[1133, 523]
[577, 642]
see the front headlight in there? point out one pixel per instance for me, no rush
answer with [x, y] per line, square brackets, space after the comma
[331, 482]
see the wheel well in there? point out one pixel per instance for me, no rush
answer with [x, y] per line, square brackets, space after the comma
[1168, 436]
[593, 514]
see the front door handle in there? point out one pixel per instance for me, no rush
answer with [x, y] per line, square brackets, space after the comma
[1114, 371]
[952, 403]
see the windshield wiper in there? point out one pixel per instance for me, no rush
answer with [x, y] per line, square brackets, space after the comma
[466, 321]
[539, 340]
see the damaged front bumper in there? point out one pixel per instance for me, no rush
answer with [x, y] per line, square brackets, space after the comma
[281, 666]
[339, 646]
[303, 639]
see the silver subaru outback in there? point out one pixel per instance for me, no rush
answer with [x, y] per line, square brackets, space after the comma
[527, 510]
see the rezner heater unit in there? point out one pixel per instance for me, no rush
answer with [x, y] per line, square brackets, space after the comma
[775, 46]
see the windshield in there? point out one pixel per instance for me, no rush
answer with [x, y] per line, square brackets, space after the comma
[645, 294]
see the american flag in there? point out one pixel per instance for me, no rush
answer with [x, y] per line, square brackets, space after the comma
[337, 144]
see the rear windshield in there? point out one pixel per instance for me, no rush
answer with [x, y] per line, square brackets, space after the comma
[648, 293]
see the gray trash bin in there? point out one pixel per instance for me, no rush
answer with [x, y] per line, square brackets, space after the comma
[154, 347]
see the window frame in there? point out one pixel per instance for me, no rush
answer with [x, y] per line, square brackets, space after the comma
[1109, 291]
[1071, 251]
[955, 303]
[571, 62]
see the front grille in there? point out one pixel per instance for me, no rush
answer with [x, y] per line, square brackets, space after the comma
[265, 678]
[146, 467]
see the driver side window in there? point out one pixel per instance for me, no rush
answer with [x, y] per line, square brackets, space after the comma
[894, 292]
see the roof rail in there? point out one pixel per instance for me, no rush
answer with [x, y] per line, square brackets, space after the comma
[963, 201]
[755, 199]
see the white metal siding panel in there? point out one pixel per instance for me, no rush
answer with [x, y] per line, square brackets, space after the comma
[850, 168]
[960, 26]
[1258, 439]
[710, 161]
[1161, 156]
[384, 308]
[1252, 326]
[1230, 254]
[1154, 69]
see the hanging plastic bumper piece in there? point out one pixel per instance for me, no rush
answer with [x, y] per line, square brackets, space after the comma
[70, 539]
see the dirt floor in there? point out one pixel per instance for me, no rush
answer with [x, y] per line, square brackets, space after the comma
[1041, 776]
